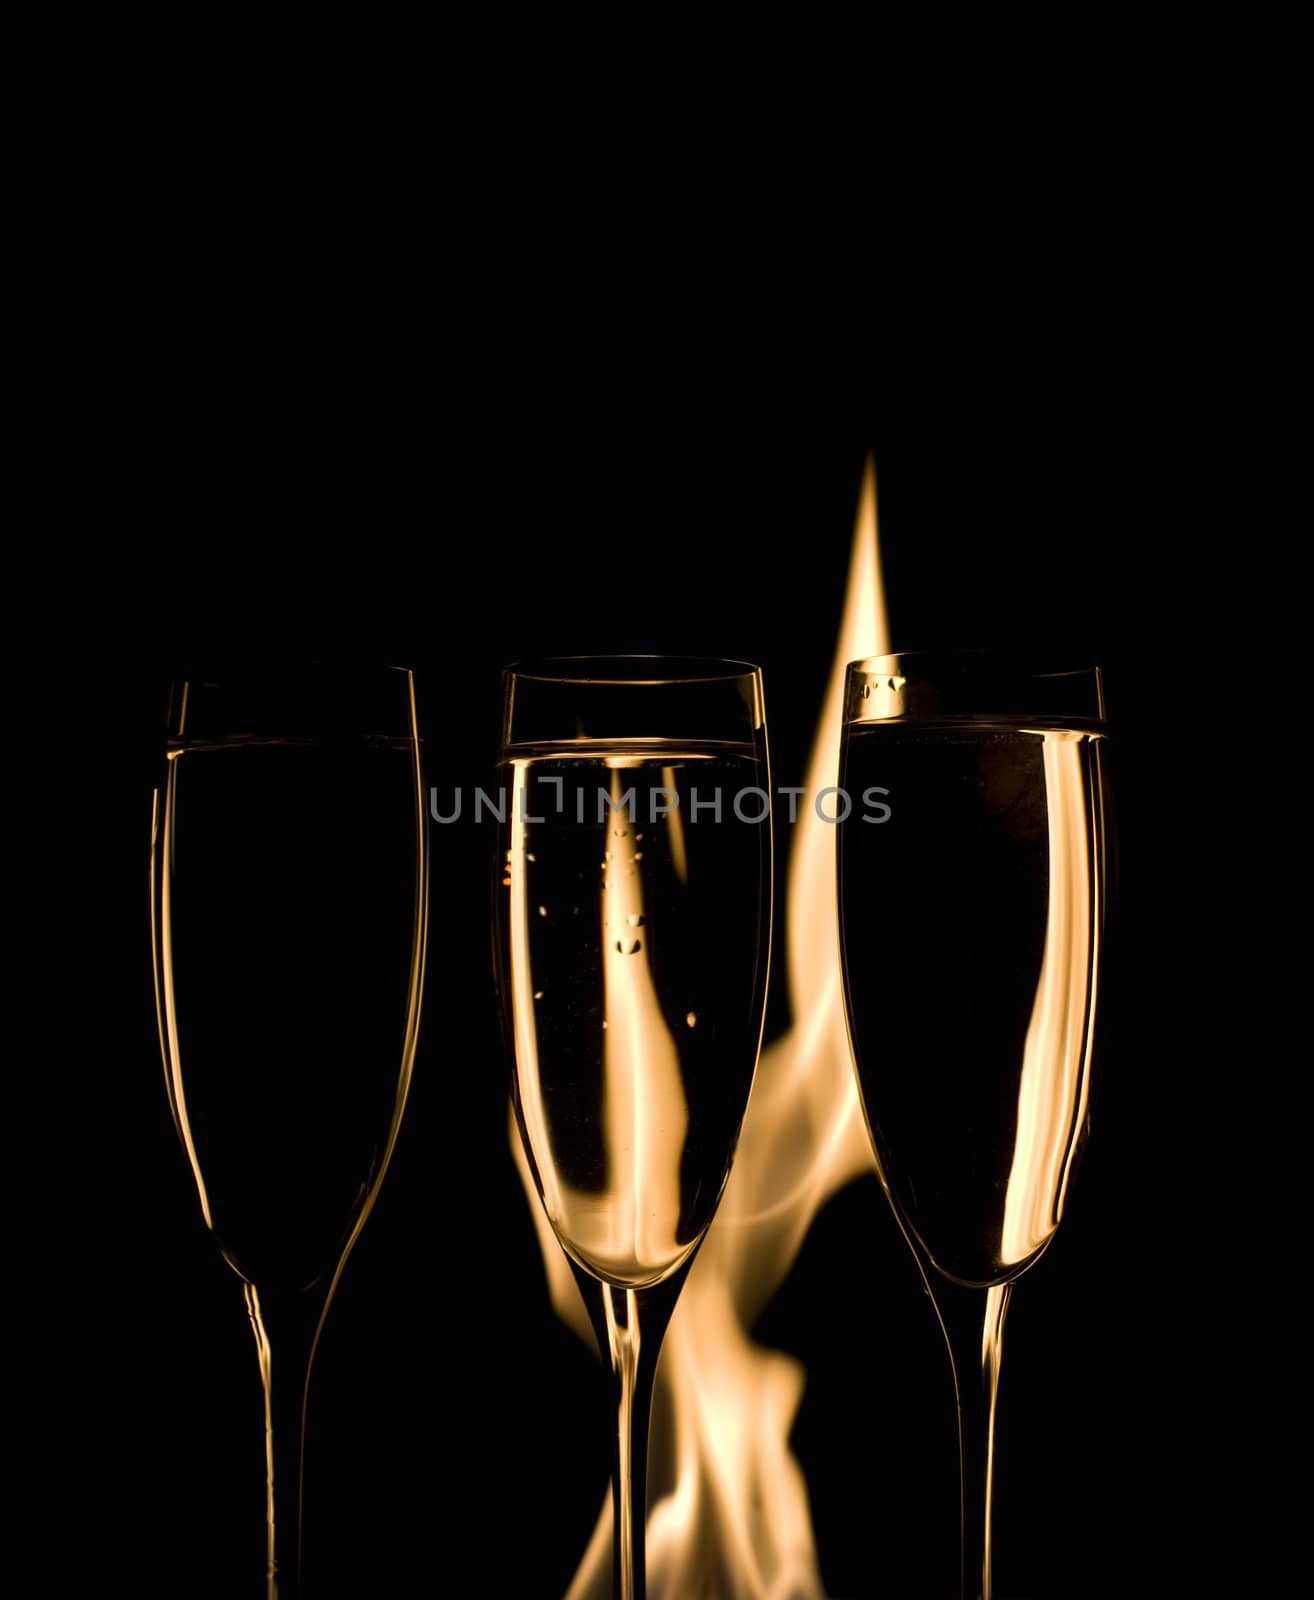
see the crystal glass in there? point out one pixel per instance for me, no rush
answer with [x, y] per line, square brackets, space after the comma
[633, 920]
[289, 890]
[972, 910]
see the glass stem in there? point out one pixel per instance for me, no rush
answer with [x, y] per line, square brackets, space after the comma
[973, 1323]
[288, 1324]
[633, 1402]
[630, 1325]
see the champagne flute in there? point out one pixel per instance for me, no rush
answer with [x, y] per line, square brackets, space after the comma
[972, 900]
[289, 897]
[633, 920]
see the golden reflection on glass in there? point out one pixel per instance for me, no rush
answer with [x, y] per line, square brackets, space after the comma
[1055, 1082]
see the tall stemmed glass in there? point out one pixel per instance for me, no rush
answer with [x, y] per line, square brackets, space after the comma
[289, 892]
[972, 900]
[633, 926]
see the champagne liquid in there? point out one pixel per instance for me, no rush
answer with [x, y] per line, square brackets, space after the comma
[971, 921]
[286, 925]
[633, 953]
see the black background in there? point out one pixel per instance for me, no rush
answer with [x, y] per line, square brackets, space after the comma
[649, 504]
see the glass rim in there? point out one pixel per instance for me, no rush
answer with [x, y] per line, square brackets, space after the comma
[252, 697]
[972, 685]
[1012, 661]
[685, 669]
[215, 671]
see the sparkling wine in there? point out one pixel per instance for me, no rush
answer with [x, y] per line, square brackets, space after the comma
[634, 880]
[971, 923]
[286, 923]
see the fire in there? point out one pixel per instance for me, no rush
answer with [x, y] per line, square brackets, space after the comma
[646, 1114]
[734, 1517]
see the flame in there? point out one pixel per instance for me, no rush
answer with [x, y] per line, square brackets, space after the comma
[647, 1115]
[616, 1232]
[729, 1512]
